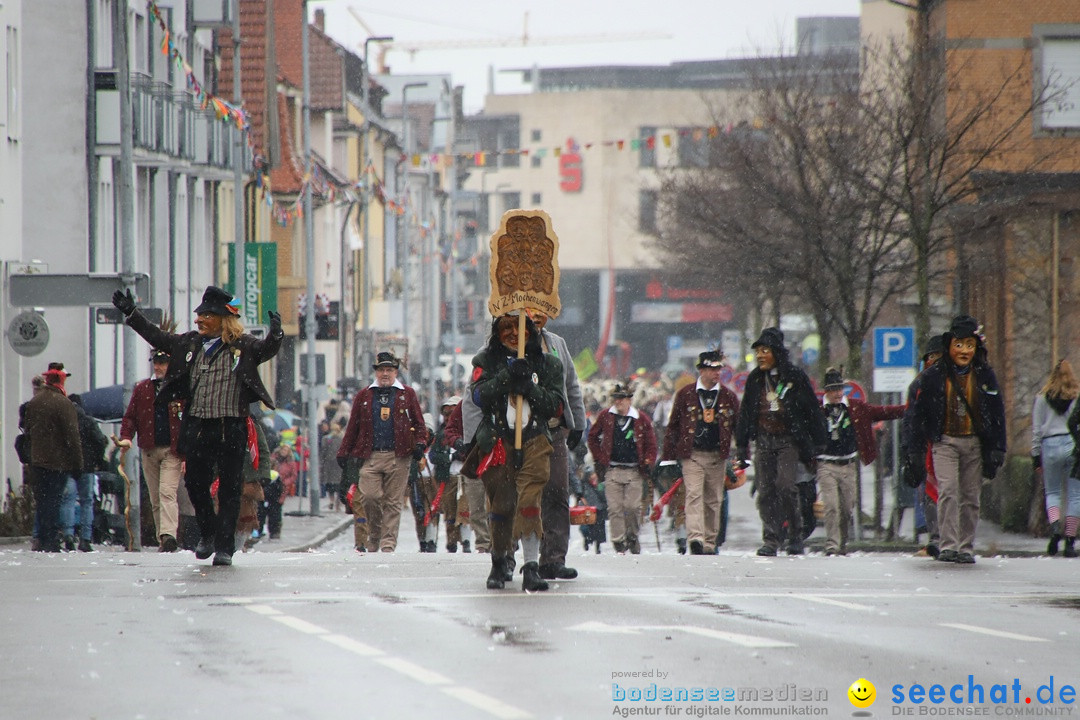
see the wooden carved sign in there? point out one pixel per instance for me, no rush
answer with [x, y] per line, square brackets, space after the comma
[524, 264]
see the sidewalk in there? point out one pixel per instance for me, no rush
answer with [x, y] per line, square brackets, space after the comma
[301, 531]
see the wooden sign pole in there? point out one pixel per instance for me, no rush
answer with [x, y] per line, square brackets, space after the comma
[521, 354]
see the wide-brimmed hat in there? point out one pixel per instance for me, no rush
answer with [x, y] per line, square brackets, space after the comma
[710, 359]
[386, 359]
[964, 326]
[215, 301]
[771, 337]
[834, 379]
[451, 401]
[622, 391]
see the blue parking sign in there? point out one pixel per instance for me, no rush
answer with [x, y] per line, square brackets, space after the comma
[894, 347]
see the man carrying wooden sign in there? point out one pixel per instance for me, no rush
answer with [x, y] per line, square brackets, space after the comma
[518, 388]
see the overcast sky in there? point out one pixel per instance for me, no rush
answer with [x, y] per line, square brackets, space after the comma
[682, 30]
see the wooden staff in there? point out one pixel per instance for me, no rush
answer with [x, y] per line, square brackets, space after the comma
[517, 417]
[124, 447]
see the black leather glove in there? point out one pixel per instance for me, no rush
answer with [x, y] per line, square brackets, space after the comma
[124, 302]
[573, 439]
[994, 460]
[459, 446]
[521, 386]
[418, 451]
[520, 370]
[913, 472]
[342, 461]
[275, 322]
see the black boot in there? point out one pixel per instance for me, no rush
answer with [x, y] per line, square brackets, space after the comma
[451, 547]
[680, 543]
[531, 580]
[1052, 546]
[465, 546]
[509, 563]
[497, 577]
[1070, 547]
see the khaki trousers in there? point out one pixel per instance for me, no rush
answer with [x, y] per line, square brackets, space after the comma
[161, 468]
[958, 467]
[622, 489]
[703, 476]
[514, 495]
[383, 480]
[478, 513]
[836, 488]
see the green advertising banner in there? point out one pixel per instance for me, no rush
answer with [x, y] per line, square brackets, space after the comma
[260, 281]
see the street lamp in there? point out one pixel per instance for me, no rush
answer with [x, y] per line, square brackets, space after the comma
[365, 292]
[405, 234]
[310, 382]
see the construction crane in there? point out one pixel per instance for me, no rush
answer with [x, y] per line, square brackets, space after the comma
[524, 40]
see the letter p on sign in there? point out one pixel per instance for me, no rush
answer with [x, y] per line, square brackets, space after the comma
[894, 347]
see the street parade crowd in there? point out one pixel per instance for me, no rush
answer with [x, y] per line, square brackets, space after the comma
[604, 456]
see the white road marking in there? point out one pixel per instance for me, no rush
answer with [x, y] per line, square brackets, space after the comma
[994, 633]
[831, 601]
[411, 669]
[353, 646]
[733, 638]
[488, 704]
[297, 624]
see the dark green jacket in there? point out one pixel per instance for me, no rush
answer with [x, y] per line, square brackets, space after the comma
[491, 388]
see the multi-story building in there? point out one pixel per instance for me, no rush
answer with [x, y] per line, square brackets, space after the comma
[590, 146]
[61, 194]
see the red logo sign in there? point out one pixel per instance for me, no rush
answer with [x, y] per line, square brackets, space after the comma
[570, 172]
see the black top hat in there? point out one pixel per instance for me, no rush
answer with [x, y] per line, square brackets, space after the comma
[386, 359]
[833, 379]
[934, 345]
[964, 326]
[215, 301]
[710, 359]
[58, 367]
[159, 356]
[622, 391]
[771, 337]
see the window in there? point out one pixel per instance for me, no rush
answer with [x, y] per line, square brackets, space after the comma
[536, 161]
[1060, 74]
[647, 158]
[536, 199]
[536, 135]
[648, 201]
[693, 148]
[11, 82]
[511, 201]
[508, 140]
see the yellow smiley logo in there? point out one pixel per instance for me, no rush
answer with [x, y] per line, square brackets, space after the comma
[862, 693]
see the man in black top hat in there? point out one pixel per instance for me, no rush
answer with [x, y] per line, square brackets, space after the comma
[781, 413]
[214, 370]
[959, 414]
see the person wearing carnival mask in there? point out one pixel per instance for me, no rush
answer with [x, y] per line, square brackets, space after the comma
[960, 414]
[214, 370]
[781, 413]
[849, 439]
[385, 434]
[699, 437]
[514, 491]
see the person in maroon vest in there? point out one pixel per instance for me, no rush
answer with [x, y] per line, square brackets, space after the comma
[157, 428]
[849, 427]
[385, 432]
[623, 446]
[699, 433]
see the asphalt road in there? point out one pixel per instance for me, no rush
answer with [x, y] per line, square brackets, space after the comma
[334, 634]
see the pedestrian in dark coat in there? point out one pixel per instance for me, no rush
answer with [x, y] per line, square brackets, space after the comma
[52, 423]
[960, 414]
[781, 413]
[214, 370]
